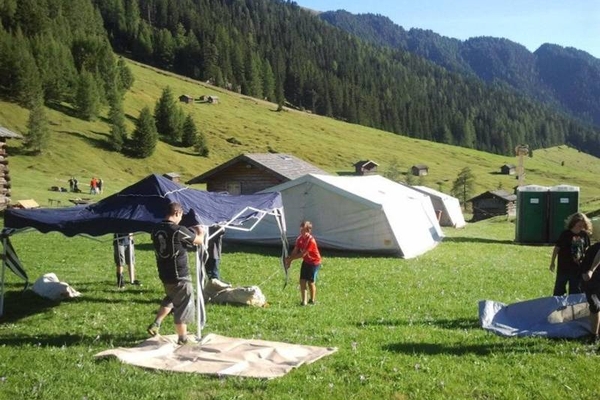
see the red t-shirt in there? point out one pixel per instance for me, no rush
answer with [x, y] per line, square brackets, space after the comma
[308, 246]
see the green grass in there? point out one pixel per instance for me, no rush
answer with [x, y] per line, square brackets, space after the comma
[405, 329]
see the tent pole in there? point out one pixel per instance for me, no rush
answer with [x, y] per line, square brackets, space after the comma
[2, 278]
[198, 294]
[200, 308]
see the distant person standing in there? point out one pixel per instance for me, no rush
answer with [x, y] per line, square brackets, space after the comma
[94, 186]
[306, 248]
[215, 244]
[124, 253]
[71, 184]
[569, 250]
[100, 185]
[170, 241]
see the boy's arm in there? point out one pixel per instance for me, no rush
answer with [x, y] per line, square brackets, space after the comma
[587, 275]
[553, 260]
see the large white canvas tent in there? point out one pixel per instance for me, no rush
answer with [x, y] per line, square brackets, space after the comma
[448, 207]
[359, 213]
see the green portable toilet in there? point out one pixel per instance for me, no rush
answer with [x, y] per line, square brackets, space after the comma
[563, 200]
[532, 214]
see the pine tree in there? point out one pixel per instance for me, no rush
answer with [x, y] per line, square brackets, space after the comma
[200, 145]
[463, 186]
[409, 178]
[87, 99]
[38, 134]
[393, 172]
[144, 138]
[168, 117]
[118, 130]
[189, 132]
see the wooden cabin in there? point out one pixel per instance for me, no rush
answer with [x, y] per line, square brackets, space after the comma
[173, 176]
[4, 169]
[251, 173]
[366, 167]
[508, 169]
[493, 203]
[419, 170]
[184, 98]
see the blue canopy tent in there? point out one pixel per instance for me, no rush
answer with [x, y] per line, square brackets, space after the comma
[139, 207]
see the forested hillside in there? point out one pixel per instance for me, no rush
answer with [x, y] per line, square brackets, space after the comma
[269, 49]
[564, 77]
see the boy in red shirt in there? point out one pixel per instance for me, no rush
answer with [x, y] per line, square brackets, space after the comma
[306, 248]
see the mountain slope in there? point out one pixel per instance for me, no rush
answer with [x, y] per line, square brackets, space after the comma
[79, 148]
[553, 74]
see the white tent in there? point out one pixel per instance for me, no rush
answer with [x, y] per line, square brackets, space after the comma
[448, 207]
[359, 213]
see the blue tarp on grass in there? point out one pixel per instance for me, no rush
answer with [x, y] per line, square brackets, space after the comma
[556, 317]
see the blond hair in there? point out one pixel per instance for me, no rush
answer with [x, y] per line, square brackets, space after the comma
[306, 225]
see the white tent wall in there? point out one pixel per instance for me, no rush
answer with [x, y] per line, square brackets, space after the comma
[368, 213]
[339, 223]
[448, 205]
[415, 236]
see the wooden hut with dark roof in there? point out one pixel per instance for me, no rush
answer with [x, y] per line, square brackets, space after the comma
[493, 203]
[251, 173]
[365, 167]
[4, 170]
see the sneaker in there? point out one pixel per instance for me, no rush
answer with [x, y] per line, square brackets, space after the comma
[312, 302]
[153, 329]
[120, 282]
[302, 303]
[136, 283]
[187, 340]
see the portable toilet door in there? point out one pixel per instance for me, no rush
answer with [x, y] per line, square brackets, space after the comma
[563, 201]
[532, 214]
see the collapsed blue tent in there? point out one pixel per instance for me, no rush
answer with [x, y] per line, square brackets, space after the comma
[139, 207]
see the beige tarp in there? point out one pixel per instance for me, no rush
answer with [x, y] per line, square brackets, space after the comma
[220, 355]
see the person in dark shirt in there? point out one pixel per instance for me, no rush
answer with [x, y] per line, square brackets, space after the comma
[591, 279]
[170, 242]
[569, 249]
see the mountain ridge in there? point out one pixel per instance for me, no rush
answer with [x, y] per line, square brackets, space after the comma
[540, 74]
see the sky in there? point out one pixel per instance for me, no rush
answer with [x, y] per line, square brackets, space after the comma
[568, 23]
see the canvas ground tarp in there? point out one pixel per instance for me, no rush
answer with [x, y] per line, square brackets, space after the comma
[357, 213]
[220, 356]
[448, 206]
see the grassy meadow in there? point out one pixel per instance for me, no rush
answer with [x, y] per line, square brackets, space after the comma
[405, 329]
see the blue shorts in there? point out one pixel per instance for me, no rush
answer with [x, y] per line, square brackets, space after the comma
[308, 272]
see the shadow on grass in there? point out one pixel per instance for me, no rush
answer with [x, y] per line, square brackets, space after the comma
[477, 240]
[459, 350]
[452, 324]
[96, 143]
[275, 251]
[67, 339]
[19, 305]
